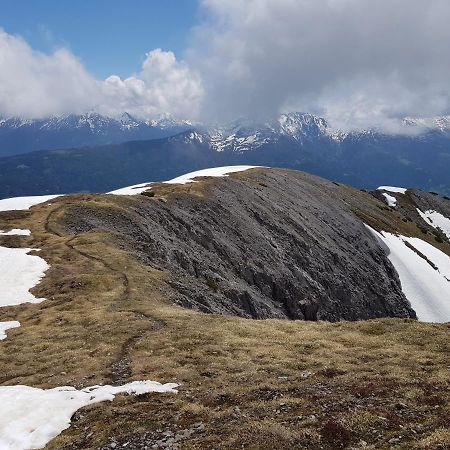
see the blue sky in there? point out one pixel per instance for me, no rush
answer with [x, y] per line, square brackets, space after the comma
[109, 36]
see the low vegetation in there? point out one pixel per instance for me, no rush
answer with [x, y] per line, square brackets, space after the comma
[243, 383]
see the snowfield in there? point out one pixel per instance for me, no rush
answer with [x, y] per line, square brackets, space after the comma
[427, 288]
[31, 417]
[183, 179]
[436, 220]
[390, 200]
[4, 326]
[132, 190]
[19, 272]
[15, 232]
[395, 190]
[21, 203]
[213, 172]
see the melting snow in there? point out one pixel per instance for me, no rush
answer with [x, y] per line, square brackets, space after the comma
[31, 417]
[390, 200]
[212, 172]
[4, 326]
[15, 232]
[436, 220]
[19, 272]
[427, 289]
[183, 179]
[132, 190]
[20, 203]
[397, 190]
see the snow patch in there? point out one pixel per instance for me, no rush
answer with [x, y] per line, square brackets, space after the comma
[22, 203]
[4, 326]
[390, 200]
[31, 417]
[183, 179]
[212, 172]
[426, 287]
[15, 232]
[436, 220]
[19, 272]
[132, 190]
[394, 189]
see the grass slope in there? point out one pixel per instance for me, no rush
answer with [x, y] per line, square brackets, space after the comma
[244, 384]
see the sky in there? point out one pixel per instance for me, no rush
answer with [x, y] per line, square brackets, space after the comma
[107, 35]
[359, 64]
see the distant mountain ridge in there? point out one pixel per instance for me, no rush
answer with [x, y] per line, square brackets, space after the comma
[419, 157]
[18, 135]
[243, 134]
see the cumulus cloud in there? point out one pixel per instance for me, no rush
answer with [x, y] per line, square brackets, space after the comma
[34, 84]
[164, 86]
[356, 62]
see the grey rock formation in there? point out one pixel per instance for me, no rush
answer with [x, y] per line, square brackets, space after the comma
[263, 244]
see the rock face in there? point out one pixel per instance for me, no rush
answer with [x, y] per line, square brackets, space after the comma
[267, 243]
[426, 201]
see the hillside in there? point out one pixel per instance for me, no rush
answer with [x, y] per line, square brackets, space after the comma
[130, 279]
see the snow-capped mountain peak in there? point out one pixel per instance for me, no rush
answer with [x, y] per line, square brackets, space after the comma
[128, 121]
[300, 124]
[441, 124]
[244, 134]
[18, 135]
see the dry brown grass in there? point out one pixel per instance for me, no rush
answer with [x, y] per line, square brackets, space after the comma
[253, 384]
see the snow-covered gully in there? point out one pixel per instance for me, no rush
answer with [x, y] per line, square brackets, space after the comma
[390, 199]
[436, 220]
[424, 273]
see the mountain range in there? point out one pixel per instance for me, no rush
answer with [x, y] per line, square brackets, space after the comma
[18, 135]
[70, 160]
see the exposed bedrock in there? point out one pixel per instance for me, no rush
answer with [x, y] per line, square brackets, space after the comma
[262, 244]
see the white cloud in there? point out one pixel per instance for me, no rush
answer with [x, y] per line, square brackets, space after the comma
[163, 86]
[33, 84]
[367, 62]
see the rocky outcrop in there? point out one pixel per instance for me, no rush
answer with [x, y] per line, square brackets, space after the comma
[267, 243]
